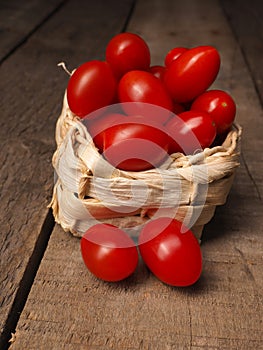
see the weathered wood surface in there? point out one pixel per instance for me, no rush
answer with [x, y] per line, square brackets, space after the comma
[245, 18]
[31, 88]
[68, 308]
[19, 20]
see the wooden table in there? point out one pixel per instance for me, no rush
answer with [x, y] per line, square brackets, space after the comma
[48, 299]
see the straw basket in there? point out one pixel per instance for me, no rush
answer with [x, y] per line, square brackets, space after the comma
[88, 189]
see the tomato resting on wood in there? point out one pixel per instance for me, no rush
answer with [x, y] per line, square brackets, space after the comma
[221, 107]
[91, 86]
[192, 73]
[171, 252]
[108, 252]
[126, 52]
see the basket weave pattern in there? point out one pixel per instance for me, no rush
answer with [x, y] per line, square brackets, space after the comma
[88, 189]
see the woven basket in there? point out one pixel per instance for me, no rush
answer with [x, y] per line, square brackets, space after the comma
[88, 189]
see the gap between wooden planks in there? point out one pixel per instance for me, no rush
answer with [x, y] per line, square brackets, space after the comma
[224, 309]
[246, 20]
[68, 308]
[31, 90]
[18, 24]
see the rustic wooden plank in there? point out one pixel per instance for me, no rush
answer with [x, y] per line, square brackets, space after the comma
[20, 19]
[141, 313]
[31, 98]
[246, 20]
[68, 308]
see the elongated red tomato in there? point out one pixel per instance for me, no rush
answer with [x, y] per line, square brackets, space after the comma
[158, 71]
[143, 87]
[173, 54]
[108, 252]
[91, 86]
[98, 125]
[221, 107]
[192, 73]
[190, 131]
[127, 51]
[171, 252]
[135, 146]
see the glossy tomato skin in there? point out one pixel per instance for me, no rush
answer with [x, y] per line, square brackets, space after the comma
[143, 87]
[91, 86]
[171, 252]
[173, 54]
[192, 73]
[135, 146]
[98, 125]
[108, 252]
[221, 107]
[190, 131]
[127, 51]
[158, 71]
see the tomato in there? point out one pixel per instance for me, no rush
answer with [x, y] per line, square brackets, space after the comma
[157, 71]
[91, 86]
[140, 86]
[108, 252]
[127, 51]
[135, 146]
[221, 107]
[190, 131]
[173, 54]
[98, 125]
[171, 252]
[192, 73]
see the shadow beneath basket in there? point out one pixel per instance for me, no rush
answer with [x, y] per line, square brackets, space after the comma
[240, 214]
[217, 227]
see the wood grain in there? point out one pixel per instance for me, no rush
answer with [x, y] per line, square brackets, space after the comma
[19, 20]
[31, 96]
[68, 308]
[246, 21]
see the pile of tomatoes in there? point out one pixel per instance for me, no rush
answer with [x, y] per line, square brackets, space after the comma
[163, 109]
[169, 250]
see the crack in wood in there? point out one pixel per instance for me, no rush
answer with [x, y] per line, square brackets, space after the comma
[27, 282]
[227, 10]
[251, 176]
[190, 323]
[126, 23]
[246, 267]
[31, 32]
